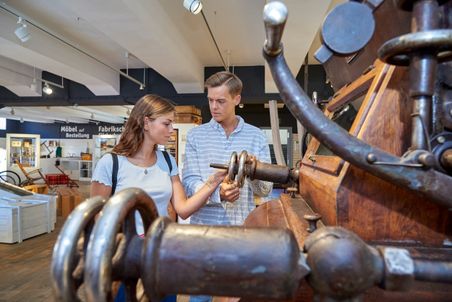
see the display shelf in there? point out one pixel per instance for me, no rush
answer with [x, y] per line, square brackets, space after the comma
[23, 148]
[86, 170]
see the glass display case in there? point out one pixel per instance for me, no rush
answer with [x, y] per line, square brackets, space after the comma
[103, 144]
[24, 148]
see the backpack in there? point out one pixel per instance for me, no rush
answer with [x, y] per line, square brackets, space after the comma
[114, 174]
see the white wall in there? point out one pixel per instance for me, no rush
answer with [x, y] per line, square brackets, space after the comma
[70, 147]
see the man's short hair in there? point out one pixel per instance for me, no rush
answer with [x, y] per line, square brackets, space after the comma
[227, 78]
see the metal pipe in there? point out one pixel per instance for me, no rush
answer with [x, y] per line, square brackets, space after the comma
[433, 184]
[422, 76]
[433, 271]
[215, 42]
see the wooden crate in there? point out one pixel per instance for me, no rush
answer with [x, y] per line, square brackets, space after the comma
[22, 219]
[39, 188]
[68, 198]
[188, 115]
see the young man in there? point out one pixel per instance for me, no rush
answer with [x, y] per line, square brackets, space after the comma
[214, 142]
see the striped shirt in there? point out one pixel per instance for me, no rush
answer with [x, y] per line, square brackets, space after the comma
[208, 144]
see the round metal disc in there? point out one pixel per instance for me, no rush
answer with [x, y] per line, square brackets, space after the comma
[241, 172]
[348, 27]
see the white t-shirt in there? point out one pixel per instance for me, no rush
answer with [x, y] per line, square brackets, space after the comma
[154, 180]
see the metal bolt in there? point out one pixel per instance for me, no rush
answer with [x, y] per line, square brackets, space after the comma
[312, 220]
[441, 139]
[371, 158]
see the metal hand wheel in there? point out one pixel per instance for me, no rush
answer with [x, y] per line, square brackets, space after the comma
[70, 250]
[106, 258]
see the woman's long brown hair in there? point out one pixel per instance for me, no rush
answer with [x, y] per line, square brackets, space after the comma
[132, 138]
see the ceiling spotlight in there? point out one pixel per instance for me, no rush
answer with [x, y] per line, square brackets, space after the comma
[92, 116]
[22, 31]
[21, 120]
[12, 112]
[141, 86]
[193, 6]
[241, 105]
[47, 89]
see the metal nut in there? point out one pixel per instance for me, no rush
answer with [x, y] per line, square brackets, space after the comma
[398, 268]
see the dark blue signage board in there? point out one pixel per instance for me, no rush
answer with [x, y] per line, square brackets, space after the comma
[62, 131]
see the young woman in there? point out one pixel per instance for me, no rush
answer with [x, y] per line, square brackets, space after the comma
[142, 165]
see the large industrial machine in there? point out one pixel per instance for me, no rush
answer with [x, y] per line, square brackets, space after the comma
[368, 213]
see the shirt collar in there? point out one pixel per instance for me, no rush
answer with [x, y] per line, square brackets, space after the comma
[215, 125]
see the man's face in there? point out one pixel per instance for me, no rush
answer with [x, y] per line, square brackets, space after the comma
[221, 103]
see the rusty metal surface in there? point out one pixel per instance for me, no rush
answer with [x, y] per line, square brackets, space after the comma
[221, 261]
[396, 51]
[253, 263]
[435, 185]
[342, 265]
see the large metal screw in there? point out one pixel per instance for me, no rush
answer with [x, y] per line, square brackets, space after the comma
[292, 191]
[312, 220]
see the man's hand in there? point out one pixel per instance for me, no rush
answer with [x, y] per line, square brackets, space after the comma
[229, 190]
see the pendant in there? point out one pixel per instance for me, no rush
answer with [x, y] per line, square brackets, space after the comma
[145, 171]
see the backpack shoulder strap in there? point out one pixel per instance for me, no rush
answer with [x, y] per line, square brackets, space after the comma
[168, 160]
[114, 174]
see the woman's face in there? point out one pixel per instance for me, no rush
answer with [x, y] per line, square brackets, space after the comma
[160, 129]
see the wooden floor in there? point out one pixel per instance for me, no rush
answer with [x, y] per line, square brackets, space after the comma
[25, 268]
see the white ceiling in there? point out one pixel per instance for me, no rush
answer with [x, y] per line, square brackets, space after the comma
[87, 41]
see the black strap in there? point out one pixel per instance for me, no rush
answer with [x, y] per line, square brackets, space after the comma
[114, 174]
[168, 161]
